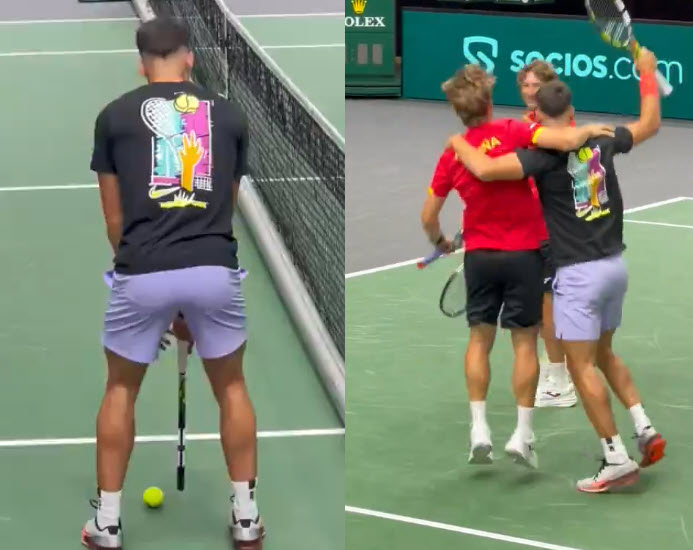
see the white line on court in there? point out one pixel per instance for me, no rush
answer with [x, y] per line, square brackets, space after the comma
[283, 15]
[456, 529]
[661, 224]
[277, 434]
[60, 21]
[415, 260]
[303, 46]
[51, 187]
[67, 52]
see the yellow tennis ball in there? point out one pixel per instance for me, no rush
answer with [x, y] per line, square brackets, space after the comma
[153, 497]
[185, 103]
[584, 154]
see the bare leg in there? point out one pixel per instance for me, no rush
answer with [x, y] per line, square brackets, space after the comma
[115, 427]
[236, 415]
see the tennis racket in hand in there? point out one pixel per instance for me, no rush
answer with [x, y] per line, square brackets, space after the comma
[616, 28]
[438, 253]
[183, 352]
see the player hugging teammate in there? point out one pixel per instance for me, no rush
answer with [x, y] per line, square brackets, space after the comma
[555, 388]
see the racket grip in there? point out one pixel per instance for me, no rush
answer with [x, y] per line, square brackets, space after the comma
[432, 257]
[182, 356]
[180, 481]
[664, 87]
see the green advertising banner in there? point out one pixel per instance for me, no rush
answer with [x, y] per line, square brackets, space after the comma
[603, 79]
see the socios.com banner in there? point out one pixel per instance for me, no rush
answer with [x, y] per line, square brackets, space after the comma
[603, 79]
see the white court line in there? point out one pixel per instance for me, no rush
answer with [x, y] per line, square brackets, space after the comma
[456, 529]
[304, 46]
[67, 52]
[277, 434]
[415, 260]
[283, 15]
[51, 187]
[660, 223]
[59, 21]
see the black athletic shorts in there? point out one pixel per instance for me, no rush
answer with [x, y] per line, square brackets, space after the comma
[511, 280]
[549, 267]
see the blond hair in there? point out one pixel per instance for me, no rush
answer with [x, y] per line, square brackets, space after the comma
[543, 70]
[469, 92]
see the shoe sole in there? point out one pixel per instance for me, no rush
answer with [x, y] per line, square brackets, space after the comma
[481, 455]
[87, 542]
[518, 458]
[555, 403]
[248, 544]
[654, 451]
[619, 483]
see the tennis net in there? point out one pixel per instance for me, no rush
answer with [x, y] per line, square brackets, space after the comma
[296, 157]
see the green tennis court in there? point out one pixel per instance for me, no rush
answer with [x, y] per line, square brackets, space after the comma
[54, 248]
[408, 482]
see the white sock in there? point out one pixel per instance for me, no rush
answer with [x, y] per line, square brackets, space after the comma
[614, 450]
[557, 371]
[244, 501]
[478, 409]
[108, 513]
[640, 419]
[524, 421]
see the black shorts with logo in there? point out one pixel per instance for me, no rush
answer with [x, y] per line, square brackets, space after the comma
[511, 280]
[549, 267]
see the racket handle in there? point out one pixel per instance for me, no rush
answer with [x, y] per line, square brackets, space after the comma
[432, 257]
[664, 87]
[183, 356]
[180, 481]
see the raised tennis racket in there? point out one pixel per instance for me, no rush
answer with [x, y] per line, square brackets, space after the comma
[183, 348]
[437, 253]
[615, 27]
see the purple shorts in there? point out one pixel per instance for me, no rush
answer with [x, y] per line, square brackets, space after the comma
[142, 307]
[588, 298]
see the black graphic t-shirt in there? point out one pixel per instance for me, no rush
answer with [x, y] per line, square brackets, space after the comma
[581, 197]
[176, 149]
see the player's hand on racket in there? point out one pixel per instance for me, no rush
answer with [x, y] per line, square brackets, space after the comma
[446, 246]
[646, 62]
[182, 332]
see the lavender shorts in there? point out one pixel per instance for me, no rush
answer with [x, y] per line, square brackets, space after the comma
[142, 307]
[588, 298]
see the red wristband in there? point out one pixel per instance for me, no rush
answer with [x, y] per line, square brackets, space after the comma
[648, 84]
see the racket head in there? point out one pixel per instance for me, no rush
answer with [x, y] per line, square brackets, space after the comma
[613, 21]
[453, 299]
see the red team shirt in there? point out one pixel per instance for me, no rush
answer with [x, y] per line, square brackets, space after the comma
[500, 215]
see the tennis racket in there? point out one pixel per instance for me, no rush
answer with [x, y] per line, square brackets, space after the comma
[615, 27]
[437, 253]
[183, 347]
[453, 299]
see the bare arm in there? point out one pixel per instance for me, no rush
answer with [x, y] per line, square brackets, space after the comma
[504, 168]
[235, 186]
[112, 211]
[650, 119]
[568, 138]
[430, 218]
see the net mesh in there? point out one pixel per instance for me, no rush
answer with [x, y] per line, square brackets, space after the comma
[296, 165]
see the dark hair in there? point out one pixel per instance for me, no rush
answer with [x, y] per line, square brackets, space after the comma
[162, 37]
[554, 98]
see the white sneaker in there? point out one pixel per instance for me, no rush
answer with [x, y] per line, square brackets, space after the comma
[247, 534]
[95, 537]
[521, 451]
[651, 445]
[611, 476]
[481, 448]
[556, 393]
